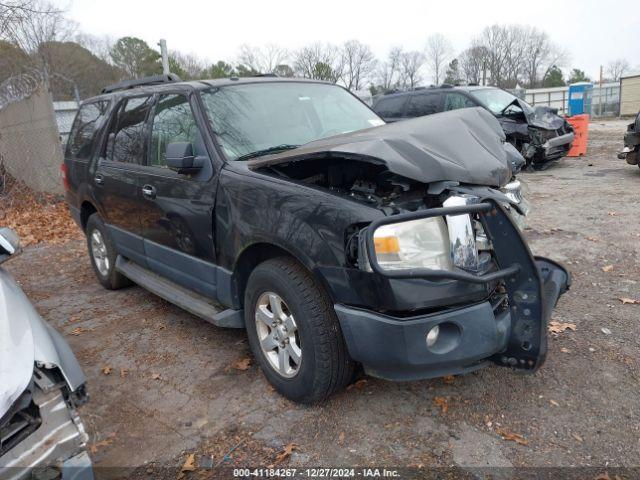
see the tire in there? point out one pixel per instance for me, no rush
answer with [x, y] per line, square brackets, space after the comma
[105, 267]
[325, 365]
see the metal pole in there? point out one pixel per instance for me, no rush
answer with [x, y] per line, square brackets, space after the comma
[165, 56]
[600, 94]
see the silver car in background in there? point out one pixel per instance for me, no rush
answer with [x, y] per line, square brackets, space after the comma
[41, 384]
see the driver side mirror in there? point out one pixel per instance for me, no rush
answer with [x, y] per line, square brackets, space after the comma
[9, 244]
[180, 158]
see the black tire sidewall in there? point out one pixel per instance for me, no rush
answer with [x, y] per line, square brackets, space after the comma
[301, 386]
[95, 223]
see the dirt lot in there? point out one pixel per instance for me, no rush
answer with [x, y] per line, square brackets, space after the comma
[173, 389]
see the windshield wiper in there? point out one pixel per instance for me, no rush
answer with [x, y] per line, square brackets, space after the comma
[267, 151]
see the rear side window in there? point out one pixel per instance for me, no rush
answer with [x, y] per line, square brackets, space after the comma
[173, 121]
[424, 104]
[82, 136]
[454, 101]
[391, 107]
[125, 142]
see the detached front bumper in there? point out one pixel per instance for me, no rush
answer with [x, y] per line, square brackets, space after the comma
[555, 147]
[470, 337]
[510, 328]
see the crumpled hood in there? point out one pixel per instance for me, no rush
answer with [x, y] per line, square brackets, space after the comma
[466, 146]
[541, 116]
[26, 338]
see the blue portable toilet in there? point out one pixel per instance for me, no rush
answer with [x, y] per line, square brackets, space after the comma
[580, 98]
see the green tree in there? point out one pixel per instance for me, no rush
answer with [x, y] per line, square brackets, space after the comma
[133, 56]
[453, 73]
[553, 78]
[219, 70]
[323, 71]
[578, 75]
[243, 70]
[283, 70]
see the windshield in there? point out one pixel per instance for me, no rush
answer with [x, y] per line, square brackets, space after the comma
[496, 100]
[259, 118]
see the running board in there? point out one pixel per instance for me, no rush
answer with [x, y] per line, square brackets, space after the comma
[192, 302]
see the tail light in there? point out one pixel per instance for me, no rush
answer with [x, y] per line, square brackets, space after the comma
[64, 171]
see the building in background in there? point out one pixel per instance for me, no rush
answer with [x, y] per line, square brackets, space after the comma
[630, 95]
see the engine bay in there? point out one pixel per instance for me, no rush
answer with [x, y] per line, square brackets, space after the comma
[365, 181]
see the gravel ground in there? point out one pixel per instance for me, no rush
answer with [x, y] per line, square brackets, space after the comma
[173, 389]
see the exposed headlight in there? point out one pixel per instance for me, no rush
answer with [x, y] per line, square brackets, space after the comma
[517, 192]
[422, 243]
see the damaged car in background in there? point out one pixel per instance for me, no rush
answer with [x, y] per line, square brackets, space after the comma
[41, 384]
[539, 133]
[632, 143]
[289, 208]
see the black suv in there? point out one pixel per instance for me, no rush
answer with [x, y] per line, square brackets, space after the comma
[289, 208]
[539, 134]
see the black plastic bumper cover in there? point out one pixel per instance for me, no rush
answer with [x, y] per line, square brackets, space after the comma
[396, 348]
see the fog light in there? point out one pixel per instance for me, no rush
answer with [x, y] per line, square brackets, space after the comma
[432, 336]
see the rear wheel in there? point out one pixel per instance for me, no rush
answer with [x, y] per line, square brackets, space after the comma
[103, 255]
[294, 332]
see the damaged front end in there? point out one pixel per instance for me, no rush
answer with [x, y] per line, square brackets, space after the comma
[631, 143]
[539, 134]
[479, 246]
[433, 277]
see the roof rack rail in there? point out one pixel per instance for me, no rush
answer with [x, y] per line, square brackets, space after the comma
[141, 82]
[446, 85]
[264, 75]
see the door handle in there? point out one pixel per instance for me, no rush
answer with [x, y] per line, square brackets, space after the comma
[149, 191]
[99, 179]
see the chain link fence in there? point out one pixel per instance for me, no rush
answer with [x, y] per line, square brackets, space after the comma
[30, 149]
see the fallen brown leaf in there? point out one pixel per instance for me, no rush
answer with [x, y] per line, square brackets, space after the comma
[102, 443]
[577, 437]
[78, 331]
[631, 301]
[442, 403]
[242, 364]
[592, 239]
[559, 327]
[123, 372]
[565, 350]
[286, 452]
[612, 214]
[341, 438]
[107, 370]
[360, 384]
[553, 402]
[189, 465]
[607, 268]
[156, 376]
[513, 437]
[448, 379]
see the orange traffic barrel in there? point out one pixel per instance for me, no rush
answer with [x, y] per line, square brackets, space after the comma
[580, 124]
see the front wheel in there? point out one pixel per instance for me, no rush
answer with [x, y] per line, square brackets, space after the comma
[294, 332]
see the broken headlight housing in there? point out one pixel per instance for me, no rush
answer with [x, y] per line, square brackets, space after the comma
[422, 243]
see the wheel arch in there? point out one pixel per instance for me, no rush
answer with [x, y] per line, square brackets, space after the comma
[259, 252]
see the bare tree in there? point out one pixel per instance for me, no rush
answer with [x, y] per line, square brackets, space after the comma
[41, 24]
[473, 62]
[263, 60]
[389, 71]
[617, 68]
[359, 63]
[192, 65]
[319, 61]
[410, 65]
[438, 52]
[99, 46]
